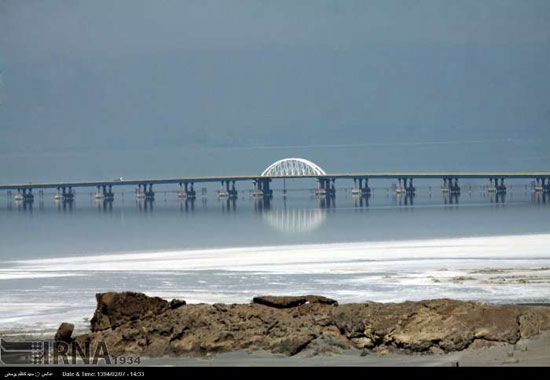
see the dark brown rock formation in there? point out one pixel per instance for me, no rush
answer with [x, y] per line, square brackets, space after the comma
[284, 302]
[64, 332]
[132, 323]
[174, 304]
[321, 299]
[115, 309]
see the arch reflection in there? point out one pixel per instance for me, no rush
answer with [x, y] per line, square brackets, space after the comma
[294, 220]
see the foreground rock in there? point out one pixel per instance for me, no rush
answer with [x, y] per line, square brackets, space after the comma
[132, 323]
[284, 302]
[64, 332]
[116, 309]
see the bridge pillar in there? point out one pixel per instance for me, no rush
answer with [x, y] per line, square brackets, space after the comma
[360, 190]
[501, 188]
[24, 196]
[223, 191]
[537, 186]
[405, 188]
[103, 192]
[455, 189]
[451, 190]
[68, 194]
[267, 192]
[232, 191]
[18, 196]
[366, 189]
[541, 185]
[229, 189]
[492, 188]
[186, 191]
[99, 194]
[497, 187]
[324, 188]
[139, 193]
[261, 188]
[410, 188]
[257, 191]
[64, 194]
[400, 188]
[145, 193]
[149, 195]
[58, 194]
[448, 186]
[28, 196]
[331, 191]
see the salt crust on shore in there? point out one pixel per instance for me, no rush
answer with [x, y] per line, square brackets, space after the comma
[494, 269]
[311, 258]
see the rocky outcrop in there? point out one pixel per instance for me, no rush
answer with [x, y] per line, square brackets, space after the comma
[64, 332]
[284, 302]
[116, 309]
[132, 323]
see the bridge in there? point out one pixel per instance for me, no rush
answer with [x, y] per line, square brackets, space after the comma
[283, 169]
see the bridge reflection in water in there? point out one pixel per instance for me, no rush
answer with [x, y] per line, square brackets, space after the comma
[288, 168]
[261, 204]
[294, 220]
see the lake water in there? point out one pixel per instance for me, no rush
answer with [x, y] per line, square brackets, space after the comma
[54, 257]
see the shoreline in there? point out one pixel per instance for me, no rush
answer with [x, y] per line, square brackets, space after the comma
[24, 333]
[314, 330]
[496, 270]
[80, 260]
[84, 255]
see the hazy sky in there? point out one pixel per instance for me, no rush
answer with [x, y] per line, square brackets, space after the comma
[82, 75]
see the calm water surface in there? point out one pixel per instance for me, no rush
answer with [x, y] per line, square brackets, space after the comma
[54, 257]
[49, 229]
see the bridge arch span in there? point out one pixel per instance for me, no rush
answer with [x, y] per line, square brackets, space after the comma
[292, 167]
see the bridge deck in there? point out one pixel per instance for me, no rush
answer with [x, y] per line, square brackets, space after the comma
[388, 175]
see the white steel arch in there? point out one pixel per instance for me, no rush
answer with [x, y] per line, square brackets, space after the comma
[292, 167]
